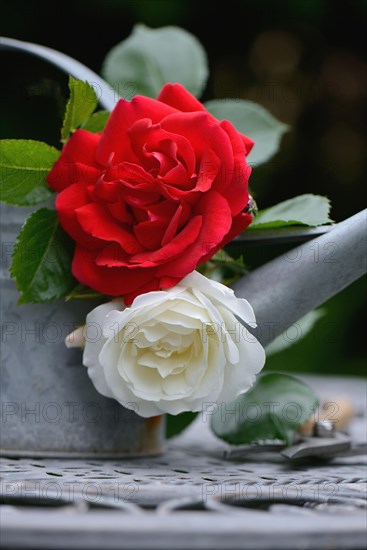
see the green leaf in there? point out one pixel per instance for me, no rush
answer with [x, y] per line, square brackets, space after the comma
[42, 259]
[254, 121]
[82, 102]
[81, 292]
[96, 122]
[312, 210]
[223, 260]
[24, 165]
[149, 58]
[300, 330]
[223, 268]
[176, 424]
[273, 409]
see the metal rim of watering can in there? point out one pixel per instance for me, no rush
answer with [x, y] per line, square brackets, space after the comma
[107, 96]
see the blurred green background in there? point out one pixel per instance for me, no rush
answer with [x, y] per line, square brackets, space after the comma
[302, 59]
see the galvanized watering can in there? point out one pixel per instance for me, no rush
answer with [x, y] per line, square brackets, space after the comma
[49, 407]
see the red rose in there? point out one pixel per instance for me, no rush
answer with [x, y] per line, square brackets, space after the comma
[157, 193]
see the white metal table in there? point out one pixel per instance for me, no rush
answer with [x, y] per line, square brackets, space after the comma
[190, 496]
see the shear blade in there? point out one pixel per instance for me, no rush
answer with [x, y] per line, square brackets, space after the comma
[268, 446]
[318, 447]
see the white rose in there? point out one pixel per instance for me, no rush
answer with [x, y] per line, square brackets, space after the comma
[173, 350]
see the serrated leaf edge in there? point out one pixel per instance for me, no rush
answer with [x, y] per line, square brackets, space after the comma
[21, 299]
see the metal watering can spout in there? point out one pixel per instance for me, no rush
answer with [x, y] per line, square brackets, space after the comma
[288, 287]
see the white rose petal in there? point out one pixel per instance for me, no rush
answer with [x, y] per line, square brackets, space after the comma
[94, 342]
[174, 350]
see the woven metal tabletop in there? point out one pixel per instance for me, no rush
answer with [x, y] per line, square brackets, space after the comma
[190, 496]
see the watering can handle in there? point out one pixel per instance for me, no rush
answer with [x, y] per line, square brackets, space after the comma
[107, 96]
[286, 288]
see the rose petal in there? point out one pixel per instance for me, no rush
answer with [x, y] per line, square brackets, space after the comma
[150, 233]
[240, 142]
[241, 377]
[239, 224]
[77, 162]
[186, 237]
[178, 97]
[95, 342]
[248, 143]
[203, 133]
[216, 222]
[161, 150]
[220, 293]
[173, 226]
[94, 220]
[115, 138]
[71, 198]
[110, 280]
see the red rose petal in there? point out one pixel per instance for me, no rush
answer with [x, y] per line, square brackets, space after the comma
[203, 134]
[77, 161]
[73, 197]
[248, 143]
[108, 280]
[129, 173]
[112, 255]
[150, 233]
[209, 168]
[134, 185]
[239, 224]
[237, 191]
[172, 228]
[108, 194]
[115, 138]
[166, 149]
[121, 212]
[186, 237]
[176, 182]
[238, 146]
[162, 210]
[81, 147]
[94, 219]
[216, 222]
[178, 97]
